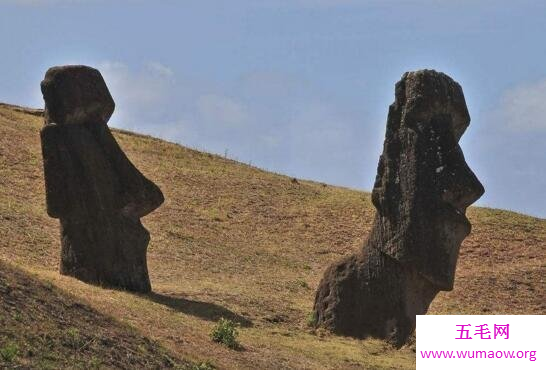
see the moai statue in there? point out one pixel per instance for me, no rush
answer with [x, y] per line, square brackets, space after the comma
[421, 192]
[91, 186]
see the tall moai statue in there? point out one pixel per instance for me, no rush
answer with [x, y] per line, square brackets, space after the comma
[421, 192]
[91, 186]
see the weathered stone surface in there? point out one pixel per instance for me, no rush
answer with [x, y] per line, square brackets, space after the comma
[76, 94]
[91, 186]
[421, 192]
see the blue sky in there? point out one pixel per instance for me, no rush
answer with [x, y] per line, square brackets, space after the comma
[300, 87]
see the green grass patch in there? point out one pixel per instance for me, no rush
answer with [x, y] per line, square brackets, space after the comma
[225, 332]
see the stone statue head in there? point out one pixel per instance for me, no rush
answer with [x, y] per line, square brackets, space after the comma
[76, 94]
[423, 184]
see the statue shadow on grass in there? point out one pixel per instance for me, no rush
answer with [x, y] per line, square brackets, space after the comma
[204, 310]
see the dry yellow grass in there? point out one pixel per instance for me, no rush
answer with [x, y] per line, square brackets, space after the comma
[45, 328]
[235, 241]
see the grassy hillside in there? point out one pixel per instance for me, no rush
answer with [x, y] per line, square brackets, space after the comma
[44, 327]
[234, 241]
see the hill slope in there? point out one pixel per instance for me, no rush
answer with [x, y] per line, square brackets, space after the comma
[46, 328]
[234, 241]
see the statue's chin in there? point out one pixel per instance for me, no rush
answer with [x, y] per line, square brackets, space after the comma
[444, 240]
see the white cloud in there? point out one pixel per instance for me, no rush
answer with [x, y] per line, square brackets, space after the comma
[523, 108]
[222, 110]
[137, 92]
[160, 69]
[143, 86]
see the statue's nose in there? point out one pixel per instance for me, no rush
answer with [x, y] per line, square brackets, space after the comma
[473, 188]
[463, 188]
